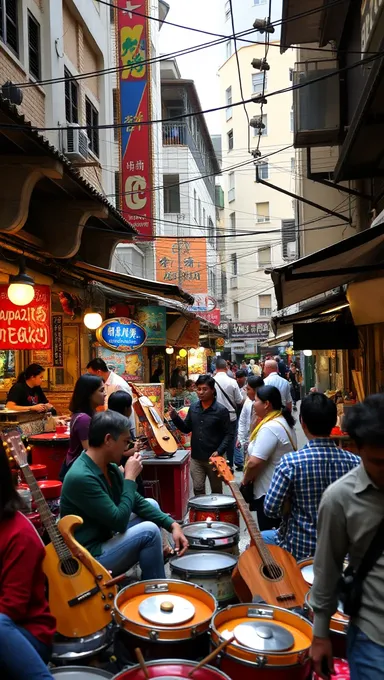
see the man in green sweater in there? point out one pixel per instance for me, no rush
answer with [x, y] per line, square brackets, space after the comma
[119, 527]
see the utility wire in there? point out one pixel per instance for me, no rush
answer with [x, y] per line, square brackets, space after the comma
[239, 73]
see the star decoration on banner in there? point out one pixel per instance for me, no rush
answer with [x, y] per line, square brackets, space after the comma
[129, 8]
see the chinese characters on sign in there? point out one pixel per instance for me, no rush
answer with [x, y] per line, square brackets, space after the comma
[57, 340]
[121, 335]
[189, 256]
[136, 169]
[212, 316]
[246, 329]
[26, 327]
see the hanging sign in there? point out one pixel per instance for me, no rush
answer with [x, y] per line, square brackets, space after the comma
[154, 320]
[212, 316]
[121, 334]
[57, 341]
[29, 326]
[183, 261]
[135, 109]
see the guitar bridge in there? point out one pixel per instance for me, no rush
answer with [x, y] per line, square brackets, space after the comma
[287, 596]
[83, 596]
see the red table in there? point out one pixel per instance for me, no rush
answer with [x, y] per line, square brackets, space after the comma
[49, 449]
[169, 479]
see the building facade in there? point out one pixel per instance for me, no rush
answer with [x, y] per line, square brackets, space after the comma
[255, 215]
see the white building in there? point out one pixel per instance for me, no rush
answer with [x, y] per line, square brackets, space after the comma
[255, 214]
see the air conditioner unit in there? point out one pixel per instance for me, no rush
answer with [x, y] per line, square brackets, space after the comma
[75, 143]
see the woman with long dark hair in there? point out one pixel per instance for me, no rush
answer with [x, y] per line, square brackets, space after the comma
[89, 393]
[121, 402]
[26, 394]
[26, 625]
[272, 437]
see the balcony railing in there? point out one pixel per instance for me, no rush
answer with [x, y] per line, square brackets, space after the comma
[174, 134]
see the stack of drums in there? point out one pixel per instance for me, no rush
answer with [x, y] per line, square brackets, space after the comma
[269, 642]
[217, 507]
[215, 536]
[51, 490]
[209, 570]
[166, 619]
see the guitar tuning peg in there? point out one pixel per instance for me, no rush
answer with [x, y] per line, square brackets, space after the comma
[29, 448]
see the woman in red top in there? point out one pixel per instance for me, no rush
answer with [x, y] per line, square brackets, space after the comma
[26, 626]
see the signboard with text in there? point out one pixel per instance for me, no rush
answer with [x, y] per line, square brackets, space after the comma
[246, 329]
[29, 327]
[371, 32]
[212, 317]
[135, 112]
[183, 261]
[121, 335]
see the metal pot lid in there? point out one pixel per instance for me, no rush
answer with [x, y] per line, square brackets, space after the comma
[210, 530]
[166, 609]
[212, 501]
[263, 637]
[203, 562]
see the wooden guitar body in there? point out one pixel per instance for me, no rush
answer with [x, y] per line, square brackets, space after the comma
[160, 439]
[82, 617]
[286, 589]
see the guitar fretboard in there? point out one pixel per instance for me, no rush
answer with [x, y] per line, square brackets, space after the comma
[252, 527]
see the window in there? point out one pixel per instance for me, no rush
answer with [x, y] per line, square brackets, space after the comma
[34, 47]
[227, 10]
[234, 264]
[171, 193]
[263, 168]
[71, 97]
[258, 83]
[236, 310]
[259, 2]
[264, 256]
[264, 130]
[262, 212]
[195, 204]
[228, 103]
[9, 25]
[92, 121]
[265, 305]
[232, 222]
[203, 217]
[230, 140]
[289, 239]
[231, 190]
[199, 207]
[228, 48]
[292, 120]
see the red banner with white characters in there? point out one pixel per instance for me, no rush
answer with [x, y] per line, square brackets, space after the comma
[213, 316]
[135, 108]
[26, 327]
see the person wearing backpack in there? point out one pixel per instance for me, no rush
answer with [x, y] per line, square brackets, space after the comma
[351, 523]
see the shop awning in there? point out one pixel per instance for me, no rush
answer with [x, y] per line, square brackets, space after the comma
[320, 307]
[311, 21]
[132, 284]
[332, 267]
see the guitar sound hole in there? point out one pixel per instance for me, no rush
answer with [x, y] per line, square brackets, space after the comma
[69, 567]
[272, 571]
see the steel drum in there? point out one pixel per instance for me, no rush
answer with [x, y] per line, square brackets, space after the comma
[168, 669]
[337, 628]
[165, 618]
[209, 570]
[270, 643]
[215, 506]
[210, 535]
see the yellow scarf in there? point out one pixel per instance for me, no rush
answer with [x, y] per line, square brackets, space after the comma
[270, 416]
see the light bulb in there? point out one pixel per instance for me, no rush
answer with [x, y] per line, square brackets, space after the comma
[169, 350]
[20, 293]
[183, 353]
[307, 352]
[92, 320]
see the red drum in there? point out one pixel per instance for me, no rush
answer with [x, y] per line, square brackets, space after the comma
[341, 670]
[270, 643]
[217, 507]
[50, 488]
[338, 629]
[35, 518]
[39, 471]
[172, 668]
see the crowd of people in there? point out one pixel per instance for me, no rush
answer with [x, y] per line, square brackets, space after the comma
[317, 501]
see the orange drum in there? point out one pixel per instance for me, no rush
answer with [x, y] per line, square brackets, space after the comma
[338, 628]
[270, 643]
[306, 567]
[216, 507]
[164, 618]
[172, 668]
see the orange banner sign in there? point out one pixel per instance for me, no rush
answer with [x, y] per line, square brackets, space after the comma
[183, 262]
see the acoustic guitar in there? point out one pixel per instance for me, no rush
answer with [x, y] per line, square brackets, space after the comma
[160, 439]
[264, 572]
[80, 597]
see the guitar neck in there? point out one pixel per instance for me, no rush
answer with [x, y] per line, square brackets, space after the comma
[252, 527]
[45, 514]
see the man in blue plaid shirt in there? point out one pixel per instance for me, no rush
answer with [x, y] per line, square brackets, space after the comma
[302, 476]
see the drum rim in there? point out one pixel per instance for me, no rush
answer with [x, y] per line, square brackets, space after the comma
[184, 662]
[235, 530]
[213, 629]
[209, 574]
[163, 628]
[344, 620]
[280, 667]
[100, 672]
[192, 503]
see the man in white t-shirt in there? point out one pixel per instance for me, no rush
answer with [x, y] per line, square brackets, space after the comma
[271, 377]
[113, 383]
[228, 394]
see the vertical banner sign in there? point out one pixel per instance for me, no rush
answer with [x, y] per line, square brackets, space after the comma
[57, 341]
[135, 108]
[183, 262]
[29, 326]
